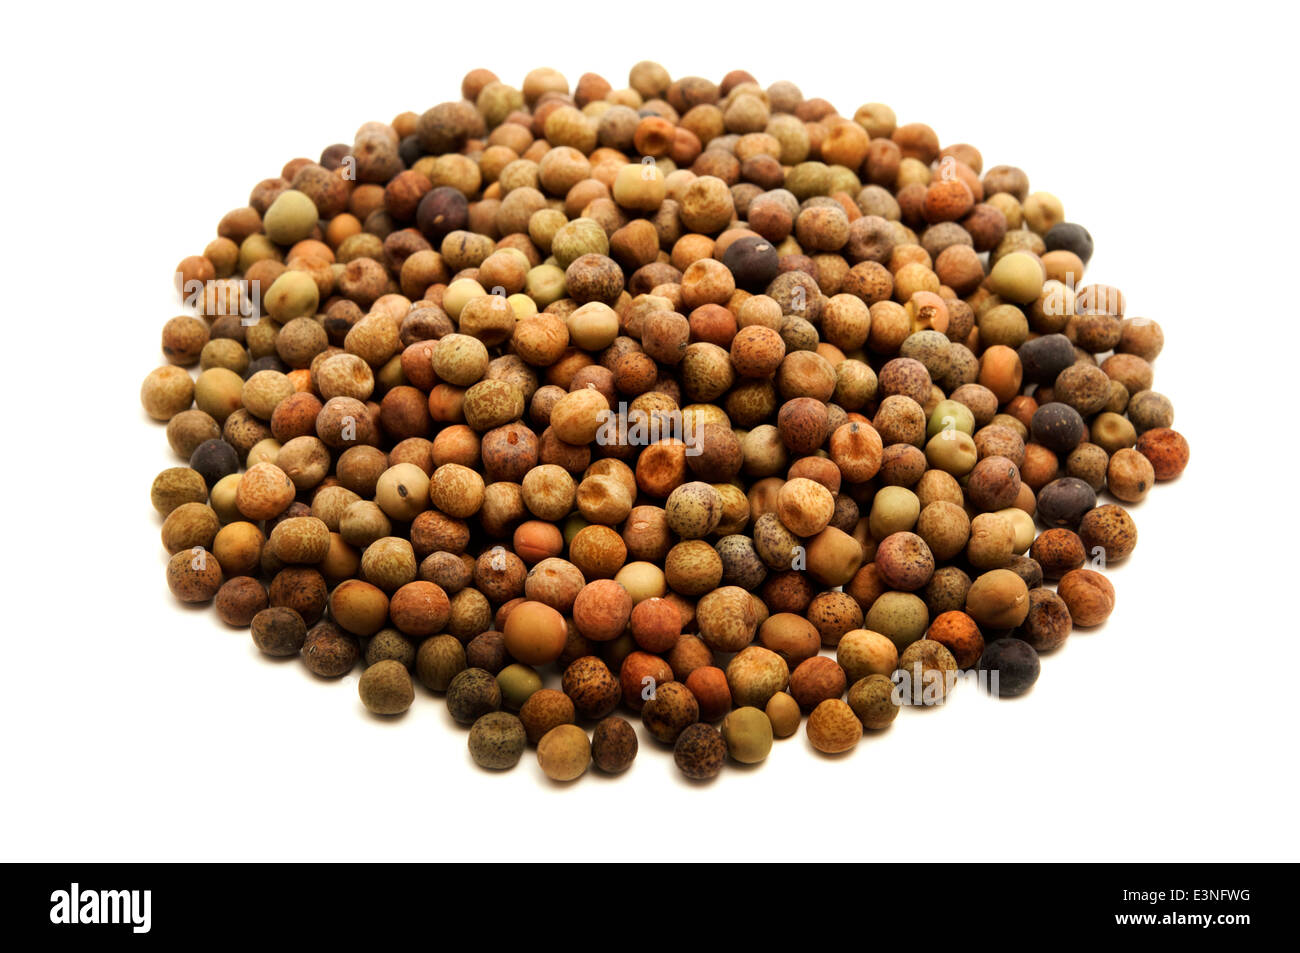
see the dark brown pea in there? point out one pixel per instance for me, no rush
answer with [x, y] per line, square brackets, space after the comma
[1048, 624]
[1064, 501]
[1027, 569]
[1045, 357]
[753, 261]
[1058, 427]
[1014, 662]
[613, 745]
[329, 651]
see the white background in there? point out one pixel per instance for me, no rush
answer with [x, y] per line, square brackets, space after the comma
[136, 729]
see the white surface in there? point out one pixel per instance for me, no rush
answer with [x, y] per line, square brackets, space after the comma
[134, 729]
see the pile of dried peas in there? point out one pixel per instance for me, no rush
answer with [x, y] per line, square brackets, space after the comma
[665, 389]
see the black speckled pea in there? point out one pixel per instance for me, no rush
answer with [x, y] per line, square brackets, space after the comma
[613, 745]
[497, 740]
[1058, 427]
[1064, 501]
[1016, 664]
[1088, 462]
[1045, 357]
[753, 261]
[700, 751]
[1068, 236]
[214, 459]
[472, 694]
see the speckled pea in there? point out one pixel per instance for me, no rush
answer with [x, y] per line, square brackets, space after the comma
[833, 727]
[497, 740]
[872, 700]
[693, 510]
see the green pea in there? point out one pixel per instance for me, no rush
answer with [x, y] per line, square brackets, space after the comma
[518, 683]
[291, 217]
[748, 734]
[950, 415]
